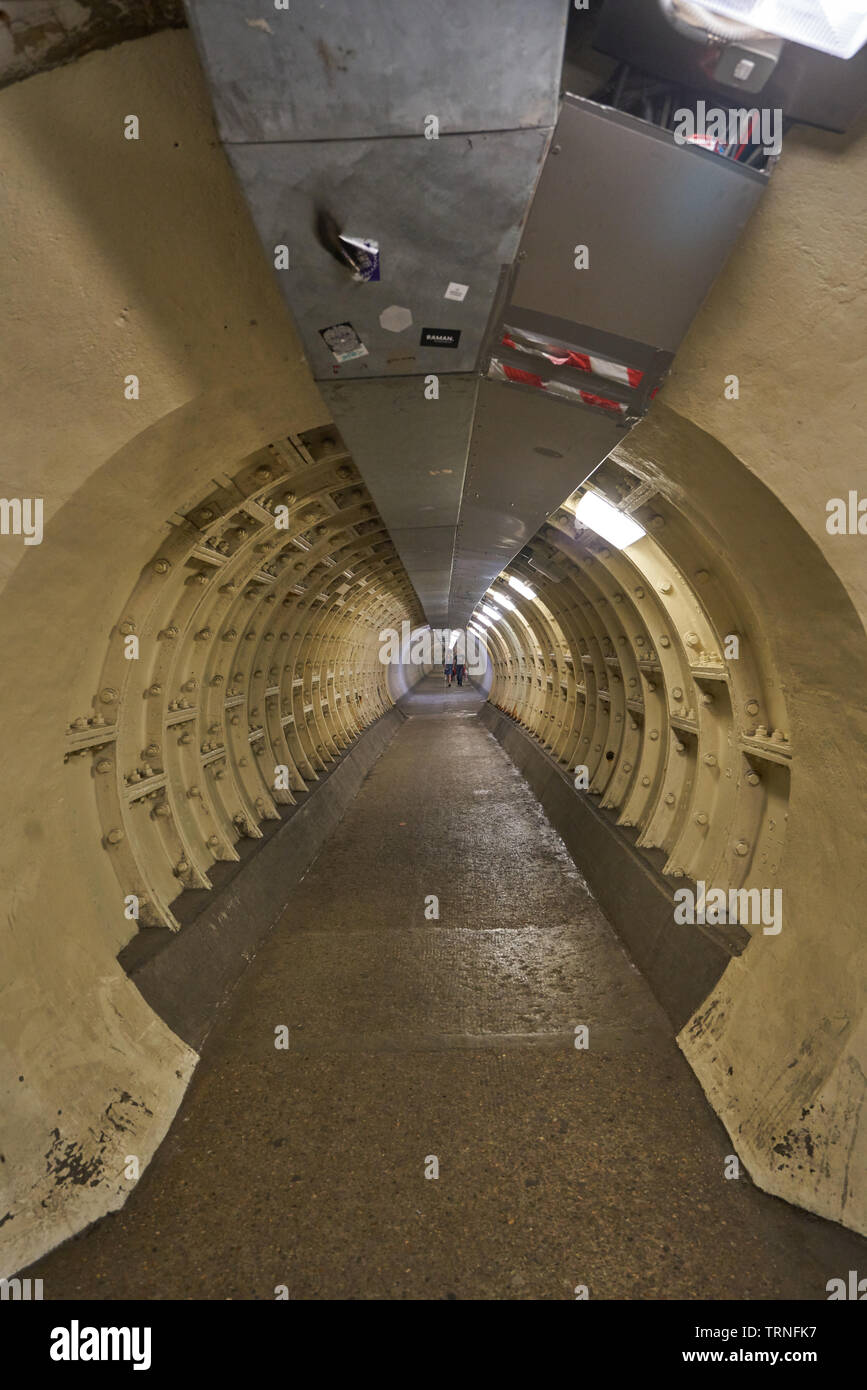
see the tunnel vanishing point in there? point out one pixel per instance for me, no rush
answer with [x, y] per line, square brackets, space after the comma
[320, 972]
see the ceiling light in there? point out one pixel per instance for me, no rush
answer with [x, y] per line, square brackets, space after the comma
[491, 612]
[832, 26]
[613, 525]
[521, 587]
[503, 601]
[480, 618]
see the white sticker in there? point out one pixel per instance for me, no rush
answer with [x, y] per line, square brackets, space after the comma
[456, 291]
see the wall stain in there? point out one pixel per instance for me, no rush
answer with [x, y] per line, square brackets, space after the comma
[68, 1161]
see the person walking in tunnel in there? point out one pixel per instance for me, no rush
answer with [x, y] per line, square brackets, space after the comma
[448, 670]
[459, 671]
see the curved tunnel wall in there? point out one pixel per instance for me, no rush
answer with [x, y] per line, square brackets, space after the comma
[736, 771]
[139, 258]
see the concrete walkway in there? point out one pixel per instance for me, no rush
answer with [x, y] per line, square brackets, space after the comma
[413, 1038]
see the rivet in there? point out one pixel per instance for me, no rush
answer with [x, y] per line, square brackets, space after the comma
[691, 639]
[677, 693]
[701, 818]
[108, 695]
[670, 799]
[753, 779]
[742, 848]
[104, 765]
[653, 735]
[162, 566]
[665, 641]
[710, 759]
[752, 707]
[664, 586]
[645, 781]
[114, 837]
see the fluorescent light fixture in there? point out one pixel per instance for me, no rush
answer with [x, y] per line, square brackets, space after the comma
[607, 521]
[491, 611]
[522, 587]
[479, 630]
[503, 601]
[480, 618]
[832, 26]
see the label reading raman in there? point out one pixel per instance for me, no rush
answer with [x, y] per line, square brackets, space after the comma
[440, 337]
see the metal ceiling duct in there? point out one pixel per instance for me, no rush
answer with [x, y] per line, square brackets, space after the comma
[389, 151]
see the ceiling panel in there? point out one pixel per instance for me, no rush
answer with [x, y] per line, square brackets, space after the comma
[528, 452]
[343, 68]
[443, 212]
[411, 450]
[658, 219]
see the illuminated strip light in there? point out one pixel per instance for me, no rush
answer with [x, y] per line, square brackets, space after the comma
[501, 371]
[831, 26]
[503, 601]
[491, 612]
[480, 618]
[561, 355]
[521, 587]
[613, 525]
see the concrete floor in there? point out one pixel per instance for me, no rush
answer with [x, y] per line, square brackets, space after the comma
[455, 1038]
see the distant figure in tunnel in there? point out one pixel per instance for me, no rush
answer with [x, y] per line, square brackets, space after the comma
[459, 672]
[448, 670]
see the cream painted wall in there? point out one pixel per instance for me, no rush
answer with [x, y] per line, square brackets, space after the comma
[119, 257]
[787, 317]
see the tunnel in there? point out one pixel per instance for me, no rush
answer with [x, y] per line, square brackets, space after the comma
[433, 601]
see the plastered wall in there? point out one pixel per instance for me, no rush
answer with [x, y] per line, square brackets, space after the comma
[124, 257]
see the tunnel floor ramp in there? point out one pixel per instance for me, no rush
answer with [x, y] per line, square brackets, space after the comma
[434, 1126]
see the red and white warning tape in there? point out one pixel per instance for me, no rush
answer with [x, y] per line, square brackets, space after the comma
[502, 371]
[562, 355]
